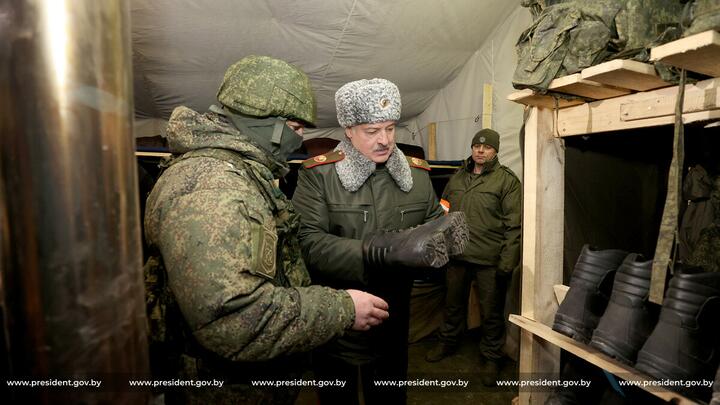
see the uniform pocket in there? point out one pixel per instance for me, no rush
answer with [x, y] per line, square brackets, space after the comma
[349, 220]
[411, 214]
[264, 247]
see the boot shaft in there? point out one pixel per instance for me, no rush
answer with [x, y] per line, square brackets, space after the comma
[590, 286]
[630, 317]
[692, 298]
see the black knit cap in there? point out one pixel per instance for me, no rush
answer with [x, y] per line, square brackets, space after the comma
[487, 136]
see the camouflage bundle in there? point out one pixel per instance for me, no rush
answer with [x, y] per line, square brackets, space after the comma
[701, 15]
[568, 36]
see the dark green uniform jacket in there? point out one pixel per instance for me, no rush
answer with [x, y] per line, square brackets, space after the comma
[227, 236]
[492, 205]
[343, 197]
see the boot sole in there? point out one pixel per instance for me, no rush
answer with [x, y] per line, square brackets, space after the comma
[658, 368]
[456, 234]
[569, 330]
[610, 349]
[435, 251]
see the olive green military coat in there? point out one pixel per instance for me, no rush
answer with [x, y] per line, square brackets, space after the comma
[342, 198]
[492, 203]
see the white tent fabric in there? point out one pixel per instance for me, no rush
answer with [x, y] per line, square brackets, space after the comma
[181, 49]
[458, 108]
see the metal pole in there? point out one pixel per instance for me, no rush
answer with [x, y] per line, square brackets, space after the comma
[71, 289]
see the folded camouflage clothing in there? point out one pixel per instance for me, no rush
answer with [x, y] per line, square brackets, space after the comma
[568, 36]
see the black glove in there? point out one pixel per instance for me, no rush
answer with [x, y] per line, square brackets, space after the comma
[427, 245]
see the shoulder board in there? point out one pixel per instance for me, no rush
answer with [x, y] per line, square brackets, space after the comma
[319, 160]
[508, 170]
[417, 162]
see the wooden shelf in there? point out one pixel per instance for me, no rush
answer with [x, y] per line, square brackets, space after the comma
[626, 74]
[152, 154]
[544, 181]
[597, 358]
[647, 109]
[576, 86]
[529, 97]
[697, 53]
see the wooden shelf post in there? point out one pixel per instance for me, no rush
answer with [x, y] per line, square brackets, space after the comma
[543, 216]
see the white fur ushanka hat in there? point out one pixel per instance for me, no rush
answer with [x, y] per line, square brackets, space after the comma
[367, 102]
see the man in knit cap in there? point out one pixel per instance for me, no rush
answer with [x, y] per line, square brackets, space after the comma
[356, 204]
[490, 195]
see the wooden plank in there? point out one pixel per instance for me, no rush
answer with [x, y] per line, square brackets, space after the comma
[432, 141]
[605, 115]
[560, 292]
[543, 215]
[594, 356]
[487, 105]
[575, 85]
[697, 53]
[626, 74]
[707, 99]
[529, 97]
[152, 154]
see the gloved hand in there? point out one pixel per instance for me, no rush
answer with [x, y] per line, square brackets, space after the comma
[427, 245]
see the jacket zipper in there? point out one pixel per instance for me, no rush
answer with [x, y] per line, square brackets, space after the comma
[365, 214]
[402, 213]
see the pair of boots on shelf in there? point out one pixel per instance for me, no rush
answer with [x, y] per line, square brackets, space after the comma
[607, 305]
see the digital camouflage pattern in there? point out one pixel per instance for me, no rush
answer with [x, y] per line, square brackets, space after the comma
[569, 36]
[707, 250]
[668, 236]
[227, 236]
[261, 86]
[698, 215]
[700, 16]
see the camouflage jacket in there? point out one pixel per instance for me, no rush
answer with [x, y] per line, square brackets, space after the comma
[227, 236]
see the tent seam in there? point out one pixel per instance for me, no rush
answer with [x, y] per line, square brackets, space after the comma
[337, 45]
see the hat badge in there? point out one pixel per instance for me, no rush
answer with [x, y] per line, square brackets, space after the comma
[384, 103]
[482, 139]
[416, 161]
[320, 158]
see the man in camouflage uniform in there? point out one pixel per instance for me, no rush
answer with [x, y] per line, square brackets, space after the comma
[227, 238]
[490, 196]
[346, 199]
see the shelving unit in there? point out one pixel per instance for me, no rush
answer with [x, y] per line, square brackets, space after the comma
[597, 358]
[645, 101]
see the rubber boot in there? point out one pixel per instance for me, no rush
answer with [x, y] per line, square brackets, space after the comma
[685, 344]
[426, 245]
[629, 317]
[590, 286]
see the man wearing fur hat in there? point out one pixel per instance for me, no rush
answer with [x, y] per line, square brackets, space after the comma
[353, 201]
[490, 195]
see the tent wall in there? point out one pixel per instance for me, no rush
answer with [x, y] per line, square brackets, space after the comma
[457, 108]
